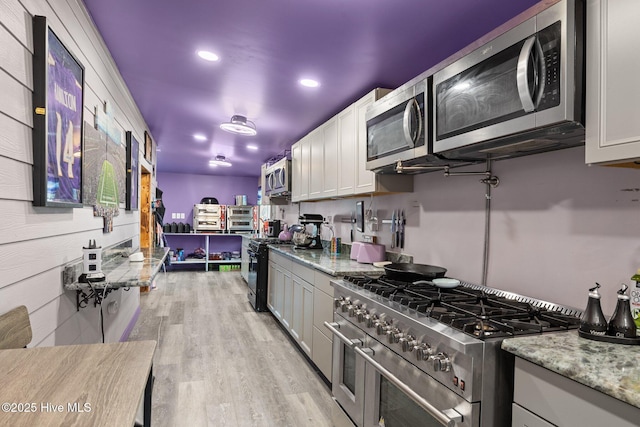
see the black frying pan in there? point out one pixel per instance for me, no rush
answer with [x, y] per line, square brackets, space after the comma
[412, 272]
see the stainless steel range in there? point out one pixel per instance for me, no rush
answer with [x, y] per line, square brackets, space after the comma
[414, 354]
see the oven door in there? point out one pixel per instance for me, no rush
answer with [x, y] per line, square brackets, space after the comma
[399, 394]
[347, 376]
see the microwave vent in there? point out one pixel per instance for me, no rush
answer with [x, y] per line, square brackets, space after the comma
[530, 145]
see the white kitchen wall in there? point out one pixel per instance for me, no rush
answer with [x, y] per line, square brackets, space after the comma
[557, 225]
[35, 243]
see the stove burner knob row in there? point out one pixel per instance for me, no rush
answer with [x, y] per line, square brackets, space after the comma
[394, 335]
[408, 343]
[362, 315]
[441, 362]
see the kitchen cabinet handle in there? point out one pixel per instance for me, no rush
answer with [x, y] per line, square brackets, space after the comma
[333, 327]
[530, 50]
[448, 417]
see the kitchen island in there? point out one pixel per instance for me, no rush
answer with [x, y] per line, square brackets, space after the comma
[569, 380]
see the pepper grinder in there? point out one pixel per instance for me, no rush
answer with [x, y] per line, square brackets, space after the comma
[593, 321]
[622, 324]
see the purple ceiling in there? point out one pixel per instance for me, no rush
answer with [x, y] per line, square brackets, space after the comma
[265, 47]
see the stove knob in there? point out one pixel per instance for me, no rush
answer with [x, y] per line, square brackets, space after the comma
[408, 343]
[346, 306]
[423, 351]
[354, 310]
[382, 328]
[339, 302]
[370, 321]
[441, 362]
[394, 335]
[362, 314]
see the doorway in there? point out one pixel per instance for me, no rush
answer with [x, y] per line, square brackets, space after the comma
[146, 232]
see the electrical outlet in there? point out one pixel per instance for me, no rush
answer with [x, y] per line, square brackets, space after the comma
[329, 219]
[173, 215]
[182, 215]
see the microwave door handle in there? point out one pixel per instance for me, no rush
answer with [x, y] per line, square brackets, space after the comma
[448, 417]
[410, 138]
[522, 72]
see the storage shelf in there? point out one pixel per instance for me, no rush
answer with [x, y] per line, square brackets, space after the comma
[207, 262]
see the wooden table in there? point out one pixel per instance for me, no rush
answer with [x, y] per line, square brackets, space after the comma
[76, 385]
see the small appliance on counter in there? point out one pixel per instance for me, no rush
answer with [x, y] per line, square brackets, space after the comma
[273, 228]
[92, 264]
[368, 253]
[301, 238]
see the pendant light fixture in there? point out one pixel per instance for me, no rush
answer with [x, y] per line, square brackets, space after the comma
[239, 125]
[220, 161]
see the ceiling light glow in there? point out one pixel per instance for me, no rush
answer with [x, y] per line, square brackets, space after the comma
[199, 137]
[209, 56]
[309, 82]
[252, 147]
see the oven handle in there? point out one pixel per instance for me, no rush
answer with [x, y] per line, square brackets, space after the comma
[333, 327]
[448, 417]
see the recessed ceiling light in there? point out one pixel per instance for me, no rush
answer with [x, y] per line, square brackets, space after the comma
[252, 147]
[199, 137]
[209, 56]
[309, 82]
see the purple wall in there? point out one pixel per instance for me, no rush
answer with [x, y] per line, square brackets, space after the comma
[182, 191]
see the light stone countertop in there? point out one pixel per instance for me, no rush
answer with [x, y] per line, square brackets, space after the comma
[613, 369]
[333, 264]
[122, 273]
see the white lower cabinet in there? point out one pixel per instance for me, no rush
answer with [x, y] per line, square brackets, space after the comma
[301, 298]
[542, 398]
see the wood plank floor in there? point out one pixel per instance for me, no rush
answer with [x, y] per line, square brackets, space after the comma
[220, 363]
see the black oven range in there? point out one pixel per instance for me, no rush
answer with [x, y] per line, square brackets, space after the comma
[258, 252]
[415, 354]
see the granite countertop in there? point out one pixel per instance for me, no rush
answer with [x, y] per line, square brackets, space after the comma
[613, 369]
[122, 273]
[333, 264]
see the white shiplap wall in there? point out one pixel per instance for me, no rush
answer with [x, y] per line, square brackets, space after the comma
[35, 243]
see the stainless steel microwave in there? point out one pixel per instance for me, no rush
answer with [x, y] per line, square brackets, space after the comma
[278, 179]
[522, 93]
[396, 128]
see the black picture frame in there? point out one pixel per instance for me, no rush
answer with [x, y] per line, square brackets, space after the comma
[58, 120]
[148, 147]
[133, 172]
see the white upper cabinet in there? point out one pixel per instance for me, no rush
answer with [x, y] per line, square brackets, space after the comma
[347, 160]
[613, 65]
[315, 162]
[330, 148]
[331, 160]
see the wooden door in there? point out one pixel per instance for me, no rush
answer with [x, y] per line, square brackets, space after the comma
[146, 232]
